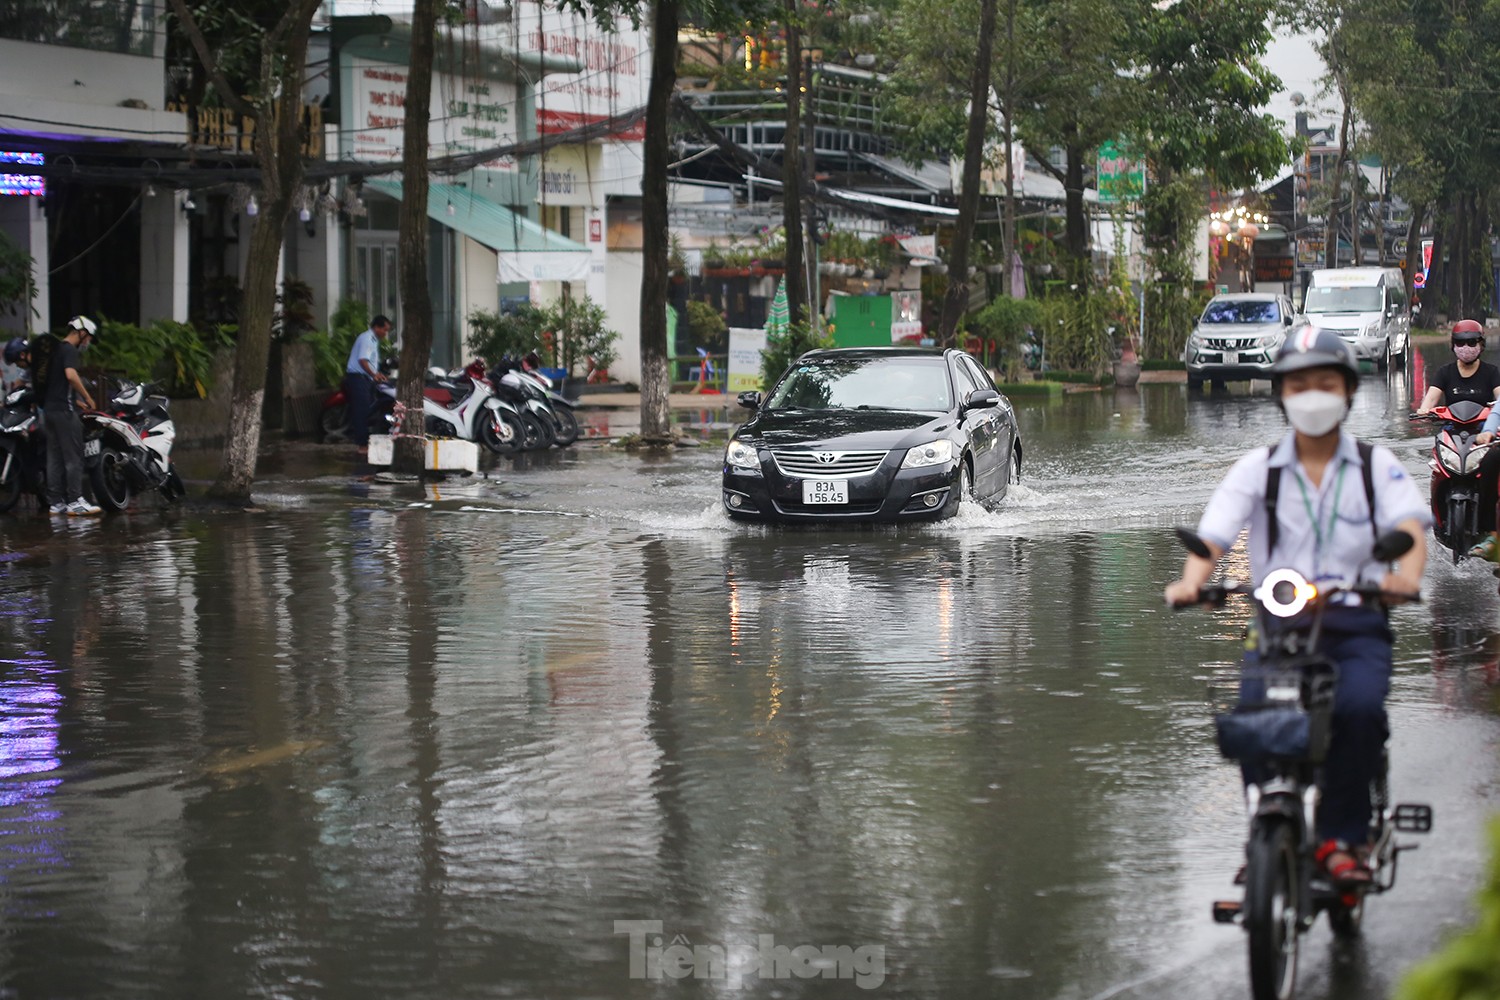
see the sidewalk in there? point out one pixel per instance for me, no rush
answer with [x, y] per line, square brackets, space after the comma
[677, 400]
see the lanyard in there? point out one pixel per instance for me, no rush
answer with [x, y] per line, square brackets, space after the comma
[1338, 488]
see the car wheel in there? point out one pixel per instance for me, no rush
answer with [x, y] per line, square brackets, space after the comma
[1383, 363]
[965, 490]
[1195, 384]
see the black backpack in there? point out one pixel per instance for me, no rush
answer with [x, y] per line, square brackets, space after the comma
[41, 362]
[1273, 487]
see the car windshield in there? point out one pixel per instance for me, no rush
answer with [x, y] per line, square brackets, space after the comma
[1241, 311]
[1333, 299]
[902, 383]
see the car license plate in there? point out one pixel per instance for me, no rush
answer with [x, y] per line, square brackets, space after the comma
[825, 491]
[90, 447]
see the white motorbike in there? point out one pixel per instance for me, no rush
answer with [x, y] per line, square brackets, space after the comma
[474, 413]
[127, 448]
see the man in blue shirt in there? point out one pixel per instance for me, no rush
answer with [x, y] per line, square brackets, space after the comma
[360, 376]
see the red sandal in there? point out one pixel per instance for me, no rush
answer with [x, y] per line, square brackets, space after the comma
[1343, 866]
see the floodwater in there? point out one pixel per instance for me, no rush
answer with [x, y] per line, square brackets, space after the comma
[566, 732]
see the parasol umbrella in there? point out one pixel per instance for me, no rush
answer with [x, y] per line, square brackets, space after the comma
[778, 317]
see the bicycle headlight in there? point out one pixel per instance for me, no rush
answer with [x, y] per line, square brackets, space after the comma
[938, 452]
[1285, 592]
[741, 455]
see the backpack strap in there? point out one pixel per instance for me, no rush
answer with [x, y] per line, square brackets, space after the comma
[1273, 489]
[1367, 456]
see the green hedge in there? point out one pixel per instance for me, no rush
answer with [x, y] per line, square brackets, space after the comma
[176, 356]
[1468, 967]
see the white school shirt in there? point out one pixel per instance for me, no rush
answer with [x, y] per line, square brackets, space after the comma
[1341, 542]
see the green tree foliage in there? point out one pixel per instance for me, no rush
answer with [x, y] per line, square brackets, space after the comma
[1468, 967]
[515, 334]
[706, 326]
[1422, 75]
[331, 349]
[785, 345]
[17, 288]
[1008, 322]
[176, 356]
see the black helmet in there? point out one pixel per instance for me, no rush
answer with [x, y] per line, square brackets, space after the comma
[14, 348]
[1314, 347]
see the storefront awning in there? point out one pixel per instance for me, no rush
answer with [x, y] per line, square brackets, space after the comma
[528, 251]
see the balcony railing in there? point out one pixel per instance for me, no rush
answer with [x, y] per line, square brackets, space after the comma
[127, 27]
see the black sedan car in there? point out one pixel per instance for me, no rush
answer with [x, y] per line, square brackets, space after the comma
[872, 434]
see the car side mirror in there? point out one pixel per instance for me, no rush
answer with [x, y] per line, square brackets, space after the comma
[750, 400]
[1286, 320]
[982, 398]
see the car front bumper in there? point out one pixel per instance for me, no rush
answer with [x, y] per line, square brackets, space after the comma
[887, 494]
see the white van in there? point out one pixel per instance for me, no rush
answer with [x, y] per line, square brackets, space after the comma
[1367, 306]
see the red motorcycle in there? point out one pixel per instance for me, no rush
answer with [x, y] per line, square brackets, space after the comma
[1455, 475]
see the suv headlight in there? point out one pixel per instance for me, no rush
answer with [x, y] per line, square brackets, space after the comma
[741, 456]
[938, 452]
[1371, 331]
[1271, 340]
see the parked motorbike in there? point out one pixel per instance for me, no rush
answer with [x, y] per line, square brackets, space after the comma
[335, 416]
[127, 447]
[1282, 723]
[23, 456]
[565, 421]
[1455, 475]
[474, 413]
[551, 409]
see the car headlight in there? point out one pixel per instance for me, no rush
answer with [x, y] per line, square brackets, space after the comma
[1450, 459]
[938, 452]
[1270, 340]
[1196, 337]
[1371, 332]
[741, 455]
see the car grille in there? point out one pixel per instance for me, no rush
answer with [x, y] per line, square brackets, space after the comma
[829, 510]
[1231, 343]
[844, 464]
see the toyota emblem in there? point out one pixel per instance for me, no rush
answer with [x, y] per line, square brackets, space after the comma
[827, 457]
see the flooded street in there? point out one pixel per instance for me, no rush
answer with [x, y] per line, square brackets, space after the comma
[544, 733]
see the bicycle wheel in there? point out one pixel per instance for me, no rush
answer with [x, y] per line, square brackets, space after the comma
[12, 478]
[1271, 910]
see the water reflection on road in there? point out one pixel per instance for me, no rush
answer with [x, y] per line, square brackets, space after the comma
[387, 741]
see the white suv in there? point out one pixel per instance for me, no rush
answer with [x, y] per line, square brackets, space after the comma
[1237, 337]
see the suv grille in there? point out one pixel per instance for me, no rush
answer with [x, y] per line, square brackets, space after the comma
[843, 465]
[1232, 344]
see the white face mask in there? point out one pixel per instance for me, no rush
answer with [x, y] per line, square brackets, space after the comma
[1468, 354]
[1315, 412]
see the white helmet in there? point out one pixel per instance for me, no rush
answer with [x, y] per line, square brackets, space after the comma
[84, 325]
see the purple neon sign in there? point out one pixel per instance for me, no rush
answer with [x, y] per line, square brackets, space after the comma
[23, 184]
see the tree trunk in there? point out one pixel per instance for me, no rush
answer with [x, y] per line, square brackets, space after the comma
[416, 299]
[1414, 248]
[1008, 222]
[1336, 197]
[956, 302]
[278, 152]
[797, 281]
[656, 416]
[1076, 232]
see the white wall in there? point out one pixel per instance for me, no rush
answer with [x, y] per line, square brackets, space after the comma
[80, 76]
[22, 220]
[164, 258]
[622, 310]
[478, 285]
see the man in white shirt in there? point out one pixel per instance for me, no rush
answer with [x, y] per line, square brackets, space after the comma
[1332, 496]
